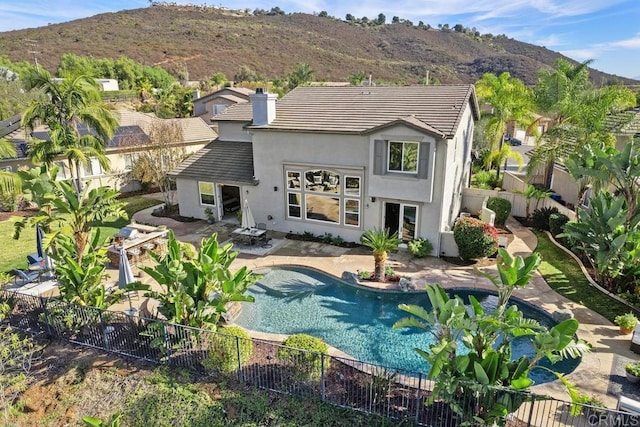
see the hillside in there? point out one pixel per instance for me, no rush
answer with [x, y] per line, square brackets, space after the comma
[206, 40]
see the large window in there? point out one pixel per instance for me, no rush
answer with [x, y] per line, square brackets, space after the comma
[403, 157]
[207, 193]
[323, 195]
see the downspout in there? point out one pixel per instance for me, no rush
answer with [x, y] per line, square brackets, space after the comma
[439, 244]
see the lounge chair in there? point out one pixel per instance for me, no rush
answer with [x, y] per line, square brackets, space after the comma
[34, 259]
[25, 276]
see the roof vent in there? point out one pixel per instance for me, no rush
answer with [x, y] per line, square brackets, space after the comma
[260, 90]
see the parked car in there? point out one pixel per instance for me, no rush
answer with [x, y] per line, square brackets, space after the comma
[512, 141]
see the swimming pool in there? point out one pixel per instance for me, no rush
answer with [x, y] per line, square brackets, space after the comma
[291, 300]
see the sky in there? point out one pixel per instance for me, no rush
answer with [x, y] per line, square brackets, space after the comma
[607, 31]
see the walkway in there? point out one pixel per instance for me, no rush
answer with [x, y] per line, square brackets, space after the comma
[600, 373]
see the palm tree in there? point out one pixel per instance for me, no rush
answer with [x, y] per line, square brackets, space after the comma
[576, 111]
[301, 74]
[380, 241]
[68, 105]
[9, 182]
[510, 100]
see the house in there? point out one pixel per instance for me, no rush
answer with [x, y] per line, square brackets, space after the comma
[216, 102]
[131, 137]
[340, 160]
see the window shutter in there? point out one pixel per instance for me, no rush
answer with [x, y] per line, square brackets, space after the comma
[423, 161]
[379, 156]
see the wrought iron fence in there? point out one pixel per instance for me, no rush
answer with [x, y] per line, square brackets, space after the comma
[358, 385]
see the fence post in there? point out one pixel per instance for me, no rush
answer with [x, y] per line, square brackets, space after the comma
[533, 401]
[322, 377]
[239, 361]
[167, 344]
[105, 337]
[418, 397]
[43, 304]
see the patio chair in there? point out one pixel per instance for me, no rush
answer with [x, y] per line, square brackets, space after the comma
[25, 276]
[264, 239]
[34, 259]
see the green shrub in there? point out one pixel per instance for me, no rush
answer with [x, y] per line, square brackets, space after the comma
[540, 218]
[502, 208]
[485, 179]
[420, 248]
[475, 238]
[557, 222]
[223, 350]
[305, 353]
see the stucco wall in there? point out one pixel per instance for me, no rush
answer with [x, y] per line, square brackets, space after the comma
[233, 131]
[564, 185]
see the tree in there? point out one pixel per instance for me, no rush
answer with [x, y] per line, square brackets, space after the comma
[196, 288]
[471, 357]
[510, 100]
[69, 105]
[381, 19]
[163, 154]
[380, 241]
[323, 14]
[9, 182]
[301, 75]
[356, 79]
[576, 111]
[349, 17]
[395, 20]
[611, 167]
[75, 214]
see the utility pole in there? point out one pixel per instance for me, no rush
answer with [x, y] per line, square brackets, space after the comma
[32, 45]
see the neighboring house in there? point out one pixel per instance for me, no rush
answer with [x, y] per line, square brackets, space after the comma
[216, 102]
[130, 137]
[625, 126]
[340, 160]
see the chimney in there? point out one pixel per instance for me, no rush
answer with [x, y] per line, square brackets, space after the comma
[264, 107]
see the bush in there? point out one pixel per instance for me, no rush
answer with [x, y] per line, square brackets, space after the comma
[420, 248]
[540, 218]
[557, 222]
[304, 352]
[475, 238]
[223, 350]
[485, 179]
[502, 208]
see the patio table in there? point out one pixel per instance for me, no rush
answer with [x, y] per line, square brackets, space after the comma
[253, 234]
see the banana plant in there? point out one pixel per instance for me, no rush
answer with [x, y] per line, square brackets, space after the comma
[195, 290]
[471, 361]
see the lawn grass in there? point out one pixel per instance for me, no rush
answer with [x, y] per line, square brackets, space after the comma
[564, 276]
[15, 251]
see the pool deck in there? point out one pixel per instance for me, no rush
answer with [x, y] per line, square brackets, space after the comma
[592, 376]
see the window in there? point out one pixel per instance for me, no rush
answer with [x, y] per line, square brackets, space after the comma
[322, 208]
[352, 212]
[129, 160]
[218, 108]
[323, 195]
[294, 204]
[62, 171]
[93, 167]
[352, 185]
[403, 157]
[207, 193]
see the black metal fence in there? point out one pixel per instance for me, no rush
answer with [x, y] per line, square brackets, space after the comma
[384, 391]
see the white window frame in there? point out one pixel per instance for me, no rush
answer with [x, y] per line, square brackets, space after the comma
[345, 212]
[404, 143]
[345, 191]
[213, 194]
[289, 204]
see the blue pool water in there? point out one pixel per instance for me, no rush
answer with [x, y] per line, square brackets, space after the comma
[359, 322]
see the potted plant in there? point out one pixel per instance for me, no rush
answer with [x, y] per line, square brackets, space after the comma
[633, 372]
[626, 322]
[211, 218]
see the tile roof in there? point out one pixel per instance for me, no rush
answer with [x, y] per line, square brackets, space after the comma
[241, 91]
[235, 113]
[624, 123]
[219, 161]
[194, 129]
[358, 109]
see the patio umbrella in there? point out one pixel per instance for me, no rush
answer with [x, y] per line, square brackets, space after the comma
[125, 276]
[247, 216]
[42, 253]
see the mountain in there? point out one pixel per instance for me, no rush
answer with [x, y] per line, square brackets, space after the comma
[205, 40]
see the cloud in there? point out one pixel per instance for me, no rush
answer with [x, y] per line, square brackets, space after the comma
[549, 41]
[632, 43]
